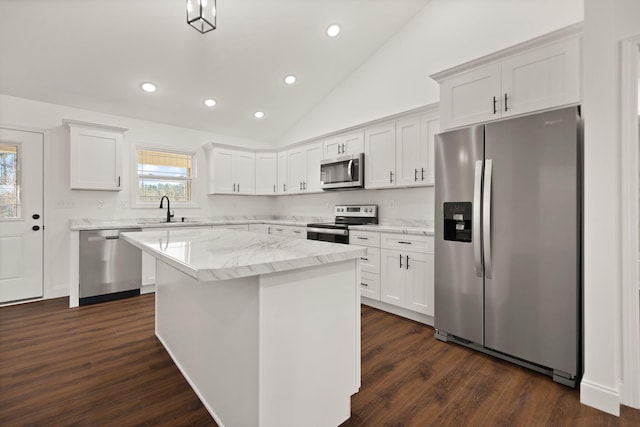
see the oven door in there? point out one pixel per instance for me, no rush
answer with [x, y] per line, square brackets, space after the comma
[342, 172]
[333, 235]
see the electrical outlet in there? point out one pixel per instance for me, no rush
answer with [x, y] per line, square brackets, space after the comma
[100, 204]
[124, 204]
[392, 204]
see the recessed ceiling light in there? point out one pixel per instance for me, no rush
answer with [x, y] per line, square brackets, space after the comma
[290, 80]
[333, 30]
[148, 87]
[258, 114]
[209, 102]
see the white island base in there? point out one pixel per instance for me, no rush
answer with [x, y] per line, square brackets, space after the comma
[277, 349]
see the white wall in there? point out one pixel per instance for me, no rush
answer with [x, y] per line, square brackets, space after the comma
[606, 24]
[85, 204]
[444, 34]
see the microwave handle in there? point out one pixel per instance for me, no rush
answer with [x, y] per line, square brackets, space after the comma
[349, 167]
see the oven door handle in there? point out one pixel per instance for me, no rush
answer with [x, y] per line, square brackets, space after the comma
[337, 232]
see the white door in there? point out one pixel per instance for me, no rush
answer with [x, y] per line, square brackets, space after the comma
[392, 277]
[419, 273]
[471, 97]
[297, 160]
[283, 172]
[380, 158]
[314, 156]
[266, 173]
[221, 174]
[21, 215]
[245, 172]
[408, 167]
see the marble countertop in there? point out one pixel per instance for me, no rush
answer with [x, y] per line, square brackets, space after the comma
[220, 254]
[389, 228]
[404, 227]
[101, 224]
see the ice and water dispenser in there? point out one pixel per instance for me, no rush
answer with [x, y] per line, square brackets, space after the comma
[457, 221]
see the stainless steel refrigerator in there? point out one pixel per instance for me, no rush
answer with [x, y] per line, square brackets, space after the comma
[508, 240]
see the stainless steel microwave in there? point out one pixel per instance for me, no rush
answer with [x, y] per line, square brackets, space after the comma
[342, 173]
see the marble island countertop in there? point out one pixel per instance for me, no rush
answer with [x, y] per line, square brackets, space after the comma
[220, 254]
[101, 223]
[391, 226]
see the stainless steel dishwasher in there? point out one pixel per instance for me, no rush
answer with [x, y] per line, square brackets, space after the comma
[110, 268]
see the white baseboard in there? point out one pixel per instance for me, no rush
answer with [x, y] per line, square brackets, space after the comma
[398, 311]
[600, 397]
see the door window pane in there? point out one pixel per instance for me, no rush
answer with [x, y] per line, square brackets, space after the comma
[10, 204]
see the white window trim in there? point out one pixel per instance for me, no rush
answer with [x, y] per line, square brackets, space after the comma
[136, 204]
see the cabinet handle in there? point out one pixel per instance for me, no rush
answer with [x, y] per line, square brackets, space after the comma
[269, 230]
[400, 260]
[494, 105]
[415, 174]
[234, 188]
[506, 105]
[284, 188]
[278, 229]
[238, 188]
[362, 238]
[403, 242]
[118, 181]
[407, 262]
[297, 232]
[364, 259]
[422, 173]
[304, 185]
[390, 177]
[274, 188]
[343, 148]
[364, 284]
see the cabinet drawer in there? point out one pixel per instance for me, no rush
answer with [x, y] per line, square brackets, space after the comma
[407, 242]
[364, 238]
[289, 231]
[370, 263]
[370, 286]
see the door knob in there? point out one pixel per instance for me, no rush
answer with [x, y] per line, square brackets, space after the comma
[35, 228]
[35, 216]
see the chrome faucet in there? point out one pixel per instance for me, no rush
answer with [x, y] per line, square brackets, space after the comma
[169, 214]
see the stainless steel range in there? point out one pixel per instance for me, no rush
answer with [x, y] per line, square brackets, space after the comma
[346, 215]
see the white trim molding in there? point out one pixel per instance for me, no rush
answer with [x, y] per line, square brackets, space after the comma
[600, 397]
[630, 304]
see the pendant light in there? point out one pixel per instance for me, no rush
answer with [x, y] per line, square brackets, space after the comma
[201, 15]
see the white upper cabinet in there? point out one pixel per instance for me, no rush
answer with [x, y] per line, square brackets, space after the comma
[283, 172]
[304, 168]
[231, 171]
[380, 156]
[344, 144]
[95, 156]
[429, 127]
[408, 151]
[266, 173]
[536, 75]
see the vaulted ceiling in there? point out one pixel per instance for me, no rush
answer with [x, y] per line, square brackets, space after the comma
[94, 54]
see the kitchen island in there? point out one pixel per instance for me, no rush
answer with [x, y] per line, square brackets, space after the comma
[265, 329]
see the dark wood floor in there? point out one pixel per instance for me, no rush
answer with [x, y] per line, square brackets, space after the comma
[102, 365]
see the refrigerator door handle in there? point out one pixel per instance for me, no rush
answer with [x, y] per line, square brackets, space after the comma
[477, 194]
[486, 219]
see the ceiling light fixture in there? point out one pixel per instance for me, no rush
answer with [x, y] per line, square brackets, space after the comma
[258, 114]
[290, 80]
[148, 87]
[201, 15]
[209, 102]
[333, 30]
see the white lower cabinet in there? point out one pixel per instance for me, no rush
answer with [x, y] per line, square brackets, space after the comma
[406, 272]
[370, 285]
[369, 264]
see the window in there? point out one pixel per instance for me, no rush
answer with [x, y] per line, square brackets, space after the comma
[9, 182]
[164, 173]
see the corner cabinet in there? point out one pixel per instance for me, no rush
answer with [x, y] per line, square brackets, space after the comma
[95, 156]
[230, 171]
[535, 75]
